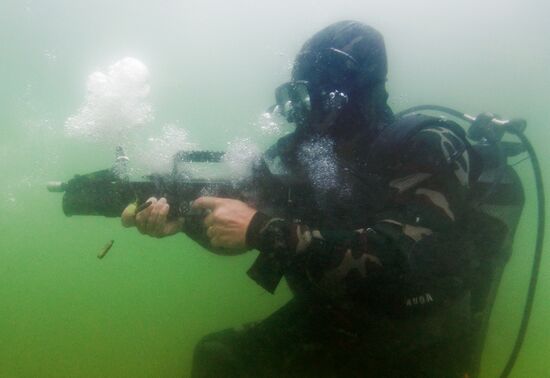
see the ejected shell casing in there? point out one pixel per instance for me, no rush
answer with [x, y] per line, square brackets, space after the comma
[105, 249]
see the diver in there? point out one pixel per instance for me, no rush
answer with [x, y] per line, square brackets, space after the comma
[379, 246]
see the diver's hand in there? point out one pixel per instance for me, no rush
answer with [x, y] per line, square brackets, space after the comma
[153, 220]
[227, 222]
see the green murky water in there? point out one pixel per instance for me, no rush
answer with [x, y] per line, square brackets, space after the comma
[213, 66]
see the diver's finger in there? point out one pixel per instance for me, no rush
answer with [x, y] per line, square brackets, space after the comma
[153, 219]
[209, 220]
[142, 218]
[206, 203]
[142, 225]
[211, 232]
[128, 216]
[161, 222]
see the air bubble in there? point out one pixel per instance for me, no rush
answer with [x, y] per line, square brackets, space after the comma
[240, 157]
[116, 102]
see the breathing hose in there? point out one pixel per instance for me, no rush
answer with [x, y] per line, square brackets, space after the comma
[536, 258]
[541, 217]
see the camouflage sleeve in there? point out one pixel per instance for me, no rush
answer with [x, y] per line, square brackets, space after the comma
[410, 258]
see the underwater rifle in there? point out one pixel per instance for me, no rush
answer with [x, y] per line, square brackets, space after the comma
[107, 192]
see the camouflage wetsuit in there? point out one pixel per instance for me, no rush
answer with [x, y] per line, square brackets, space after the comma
[380, 270]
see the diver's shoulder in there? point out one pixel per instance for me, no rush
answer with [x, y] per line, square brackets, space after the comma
[435, 147]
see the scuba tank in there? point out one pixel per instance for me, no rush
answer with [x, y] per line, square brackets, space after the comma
[496, 202]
